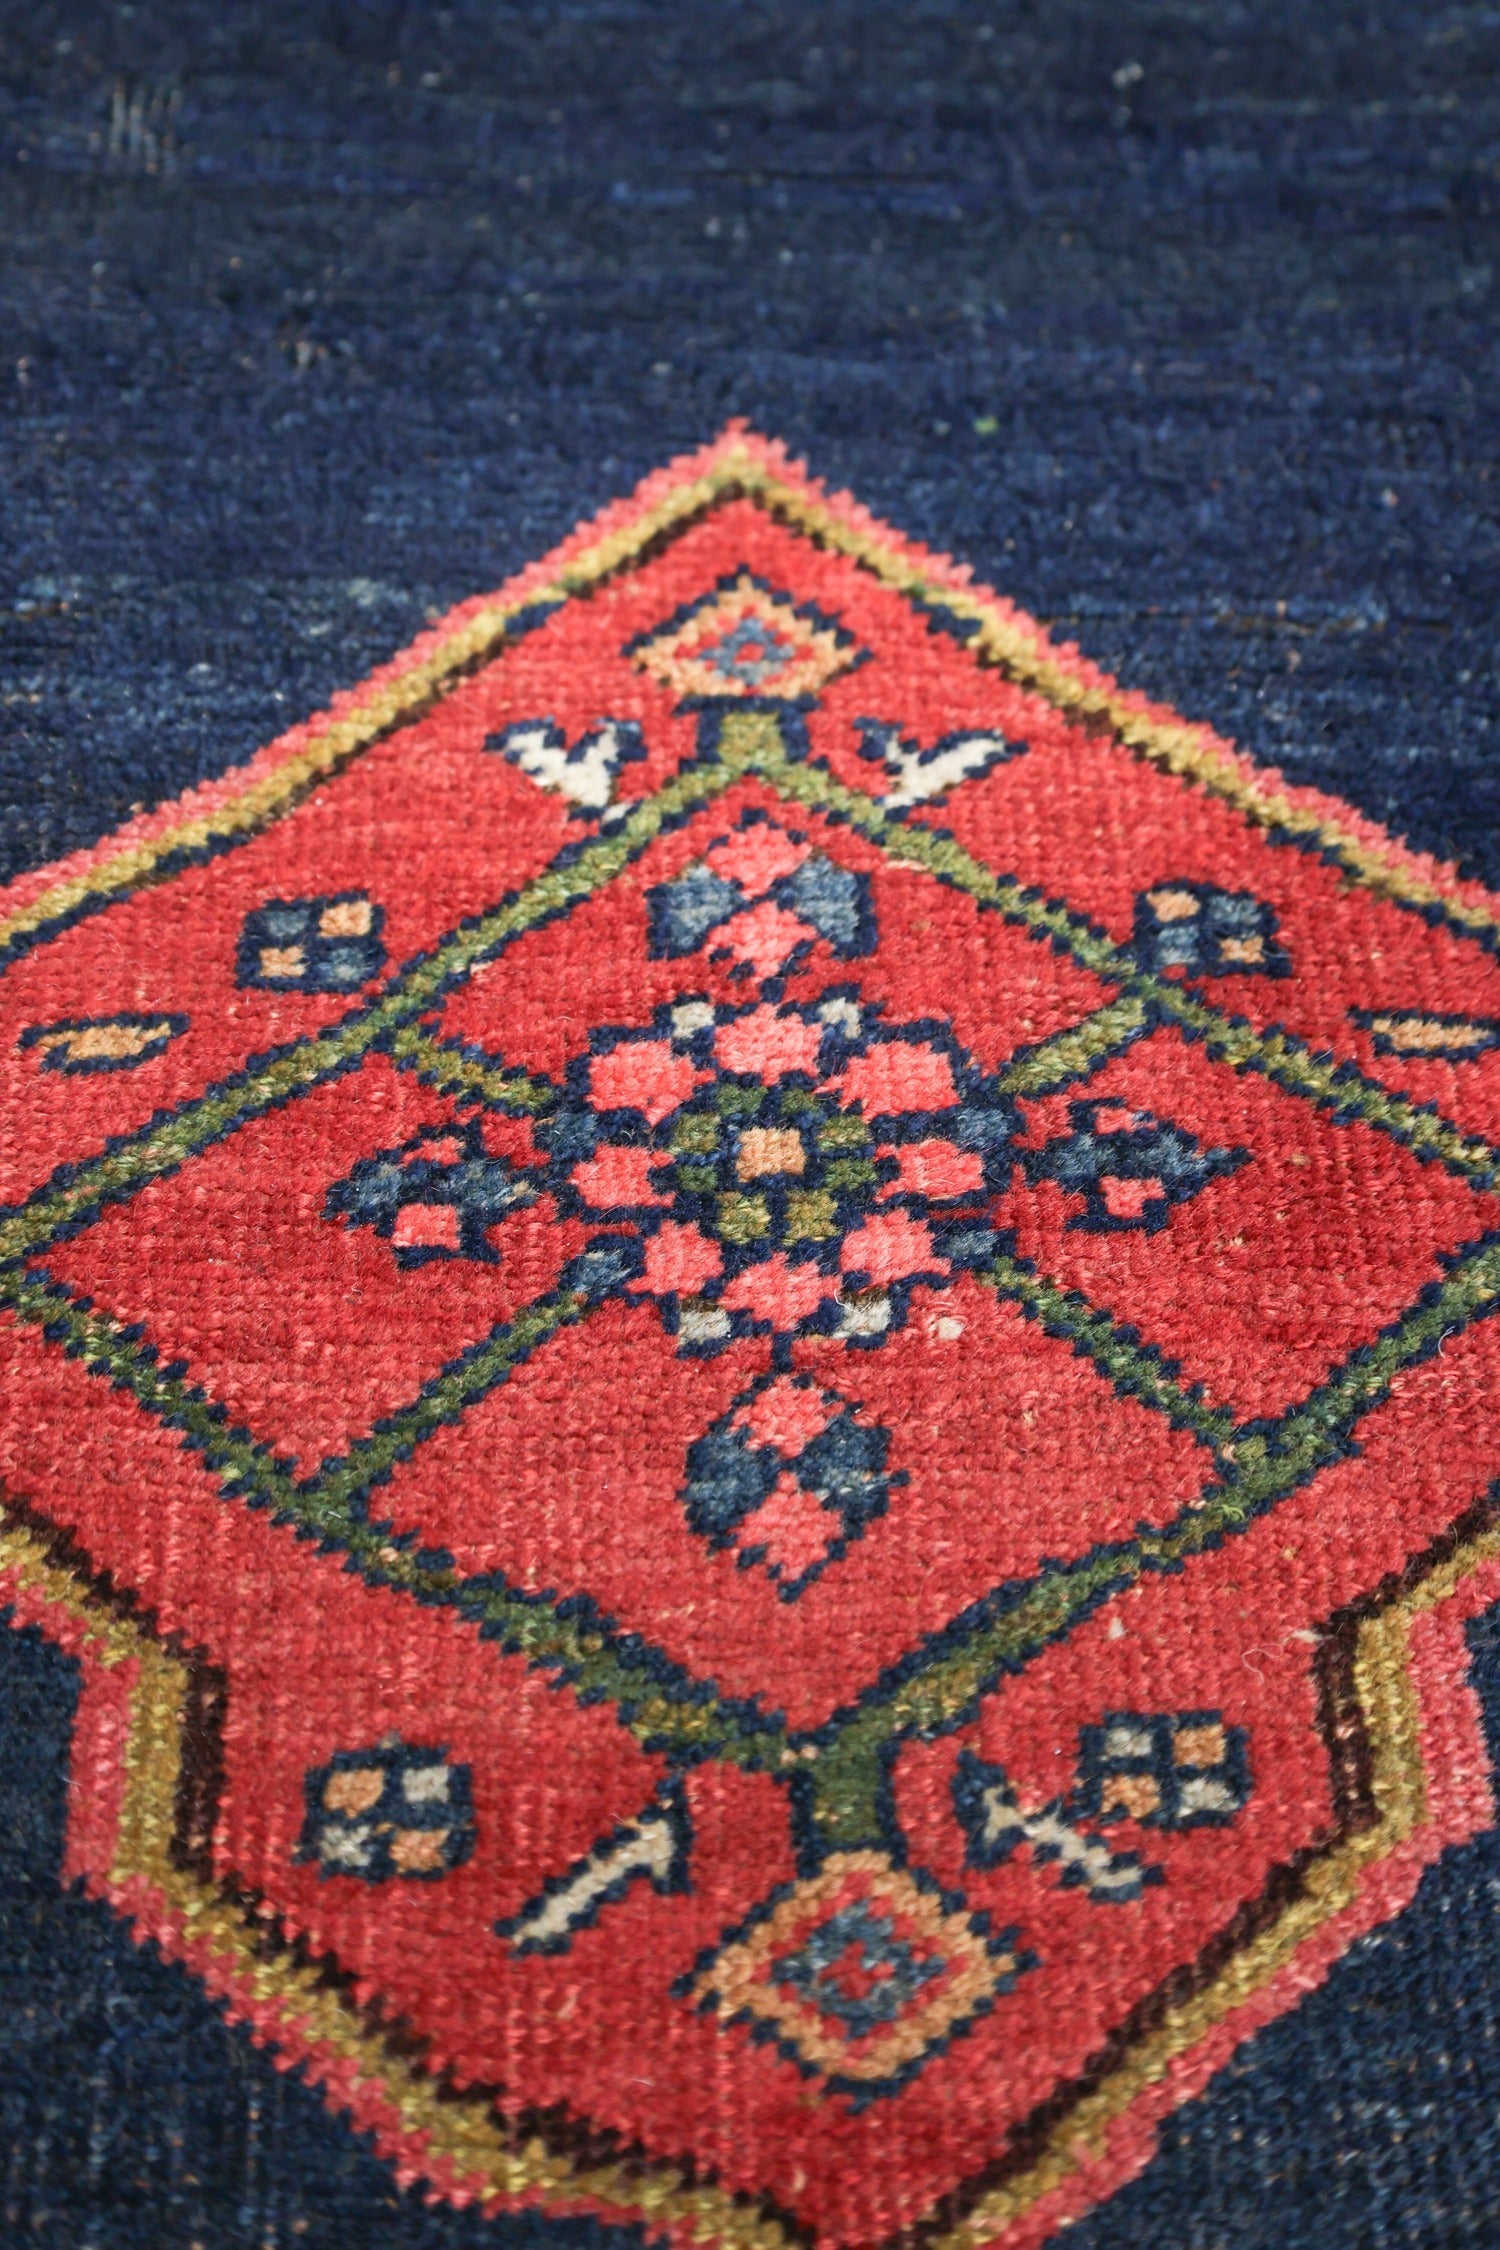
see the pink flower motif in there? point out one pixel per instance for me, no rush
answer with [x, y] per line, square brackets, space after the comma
[427, 1226]
[642, 1074]
[765, 936]
[890, 1249]
[769, 1200]
[679, 1261]
[1127, 1199]
[778, 1292]
[896, 1077]
[615, 1178]
[795, 1529]
[785, 1415]
[1119, 1120]
[934, 1168]
[757, 857]
[447, 1148]
[769, 1046]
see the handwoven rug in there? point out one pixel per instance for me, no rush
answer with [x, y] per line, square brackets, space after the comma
[748, 1353]
[746, 1435]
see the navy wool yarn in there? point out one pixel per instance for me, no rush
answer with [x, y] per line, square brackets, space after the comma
[1178, 322]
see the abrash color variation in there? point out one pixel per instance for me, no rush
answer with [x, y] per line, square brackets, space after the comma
[747, 1342]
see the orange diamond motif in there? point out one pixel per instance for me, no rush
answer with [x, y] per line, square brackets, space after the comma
[744, 639]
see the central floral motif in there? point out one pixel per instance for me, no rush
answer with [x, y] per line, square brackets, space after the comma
[862, 1725]
[772, 1169]
[784, 1168]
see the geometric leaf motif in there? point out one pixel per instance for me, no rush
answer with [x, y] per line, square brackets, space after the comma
[436, 1196]
[1129, 1167]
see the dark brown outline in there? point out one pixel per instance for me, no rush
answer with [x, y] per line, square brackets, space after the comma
[573, 2139]
[202, 1768]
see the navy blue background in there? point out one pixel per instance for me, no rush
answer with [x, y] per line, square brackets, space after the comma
[1178, 321]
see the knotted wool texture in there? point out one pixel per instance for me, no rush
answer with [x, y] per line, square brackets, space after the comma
[747, 1347]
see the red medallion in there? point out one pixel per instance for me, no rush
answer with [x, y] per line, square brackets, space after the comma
[749, 1333]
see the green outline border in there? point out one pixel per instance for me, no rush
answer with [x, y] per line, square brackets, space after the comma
[840, 1763]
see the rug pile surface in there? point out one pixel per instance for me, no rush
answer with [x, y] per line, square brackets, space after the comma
[747, 1394]
[749, 1351]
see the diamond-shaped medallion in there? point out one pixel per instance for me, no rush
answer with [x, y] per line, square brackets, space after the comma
[745, 1325]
